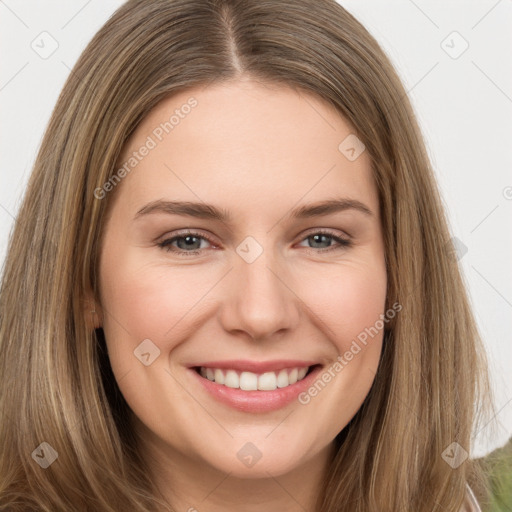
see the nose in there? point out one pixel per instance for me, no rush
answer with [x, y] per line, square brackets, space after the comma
[259, 298]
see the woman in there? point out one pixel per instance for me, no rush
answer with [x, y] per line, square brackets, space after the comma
[251, 372]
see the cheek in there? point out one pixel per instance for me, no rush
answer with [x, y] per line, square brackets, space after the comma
[347, 301]
[143, 301]
[148, 301]
[349, 304]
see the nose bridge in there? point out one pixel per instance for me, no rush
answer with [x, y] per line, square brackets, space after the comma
[261, 304]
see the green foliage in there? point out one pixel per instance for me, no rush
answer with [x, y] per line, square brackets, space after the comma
[499, 464]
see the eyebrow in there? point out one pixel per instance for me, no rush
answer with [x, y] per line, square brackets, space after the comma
[211, 212]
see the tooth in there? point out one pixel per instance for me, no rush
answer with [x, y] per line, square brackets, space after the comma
[282, 379]
[232, 380]
[302, 373]
[248, 381]
[267, 381]
[219, 376]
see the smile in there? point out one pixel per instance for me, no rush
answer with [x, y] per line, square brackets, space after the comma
[249, 381]
[254, 387]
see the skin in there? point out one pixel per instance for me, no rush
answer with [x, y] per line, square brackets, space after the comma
[258, 151]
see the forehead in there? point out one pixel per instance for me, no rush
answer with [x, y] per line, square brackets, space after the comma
[254, 140]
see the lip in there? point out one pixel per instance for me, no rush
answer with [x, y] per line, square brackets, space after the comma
[244, 365]
[256, 401]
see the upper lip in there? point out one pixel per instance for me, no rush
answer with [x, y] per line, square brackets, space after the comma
[255, 366]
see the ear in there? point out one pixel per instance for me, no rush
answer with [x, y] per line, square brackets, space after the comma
[92, 311]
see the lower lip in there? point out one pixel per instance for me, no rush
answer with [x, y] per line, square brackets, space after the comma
[257, 401]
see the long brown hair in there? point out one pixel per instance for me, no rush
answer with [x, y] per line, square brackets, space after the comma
[431, 388]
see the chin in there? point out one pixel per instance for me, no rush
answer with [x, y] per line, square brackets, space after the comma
[259, 459]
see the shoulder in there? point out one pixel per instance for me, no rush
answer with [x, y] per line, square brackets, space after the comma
[470, 503]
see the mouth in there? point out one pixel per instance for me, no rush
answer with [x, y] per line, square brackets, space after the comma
[255, 387]
[252, 381]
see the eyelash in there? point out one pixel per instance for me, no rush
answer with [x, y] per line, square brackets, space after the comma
[343, 243]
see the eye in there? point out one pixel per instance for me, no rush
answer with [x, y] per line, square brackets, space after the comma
[322, 236]
[189, 242]
[185, 241]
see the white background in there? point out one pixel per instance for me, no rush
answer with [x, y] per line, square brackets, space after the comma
[464, 106]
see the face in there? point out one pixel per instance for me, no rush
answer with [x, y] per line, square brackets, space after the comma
[233, 302]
